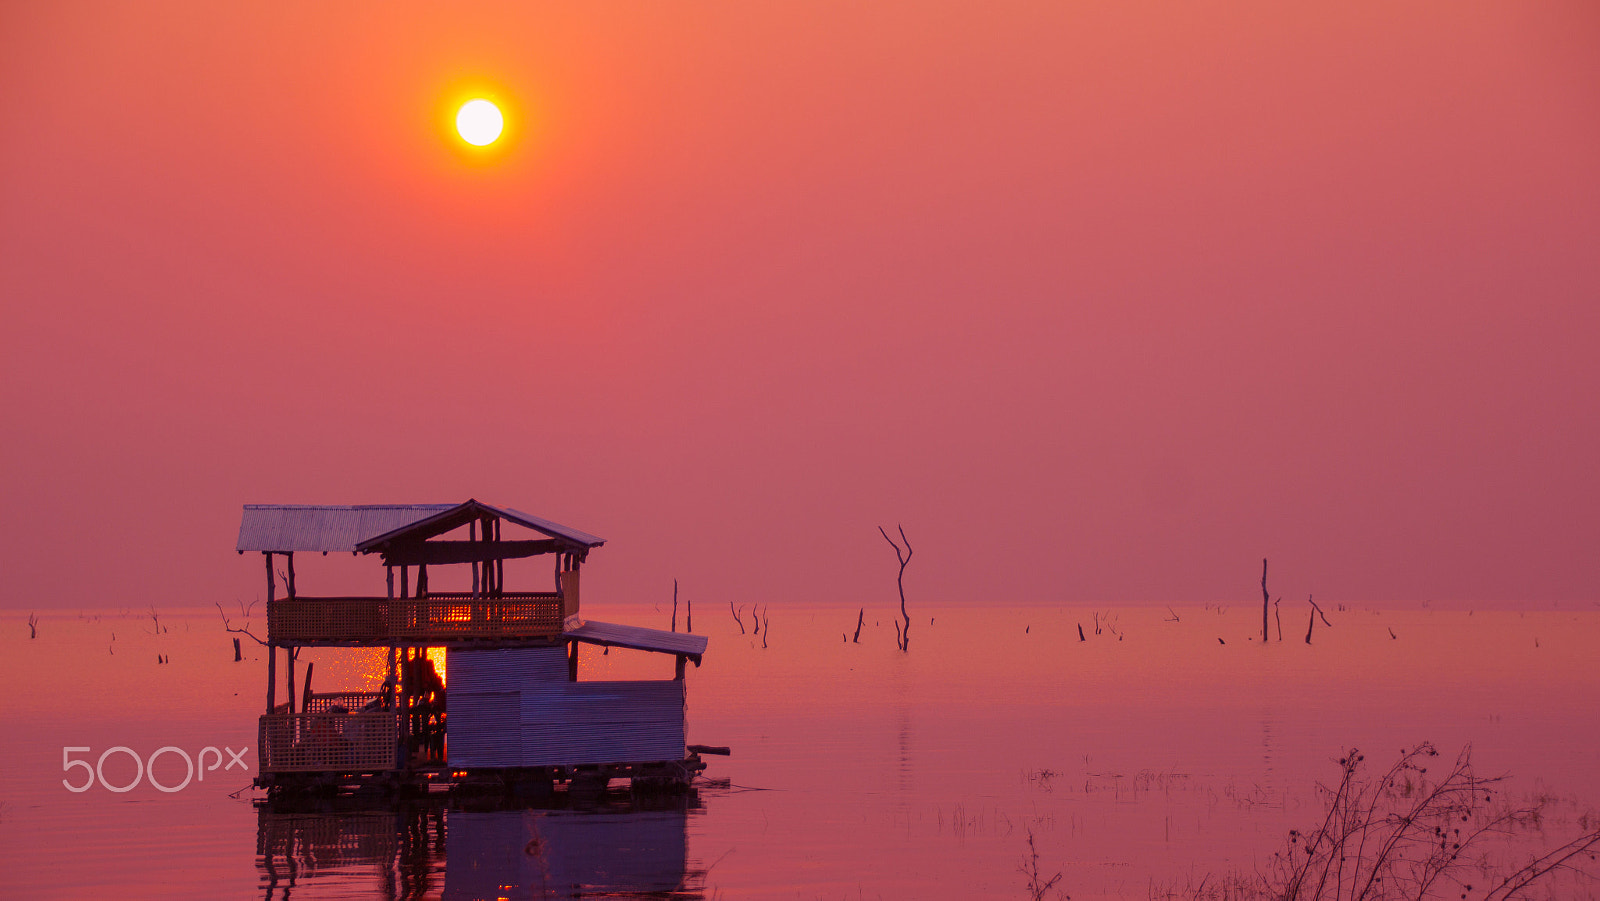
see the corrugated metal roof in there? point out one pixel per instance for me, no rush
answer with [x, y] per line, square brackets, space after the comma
[281, 528]
[640, 639]
[319, 527]
[458, 515]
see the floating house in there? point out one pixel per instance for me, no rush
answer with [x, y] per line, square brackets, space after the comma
[514, 711]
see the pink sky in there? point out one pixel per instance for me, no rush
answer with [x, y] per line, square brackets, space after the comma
[1101, 301]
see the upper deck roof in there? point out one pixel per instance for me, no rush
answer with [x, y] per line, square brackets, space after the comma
[281, 528]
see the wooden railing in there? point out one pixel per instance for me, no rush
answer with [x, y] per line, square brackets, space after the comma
[329, 742]
[440, 617]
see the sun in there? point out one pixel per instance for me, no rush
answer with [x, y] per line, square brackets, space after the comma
[479, 122]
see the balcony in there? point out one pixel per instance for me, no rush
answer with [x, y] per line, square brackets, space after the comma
[436, 619]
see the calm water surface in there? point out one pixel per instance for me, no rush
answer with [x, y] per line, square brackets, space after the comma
[1168, 746]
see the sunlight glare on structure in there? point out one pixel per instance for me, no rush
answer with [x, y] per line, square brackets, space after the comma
[479, 122]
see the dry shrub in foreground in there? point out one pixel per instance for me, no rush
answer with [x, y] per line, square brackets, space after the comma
[1412, 835]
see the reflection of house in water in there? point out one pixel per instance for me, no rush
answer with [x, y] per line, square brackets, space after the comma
[516, 711]
[621, 848]
[393, 853]
[550, 853]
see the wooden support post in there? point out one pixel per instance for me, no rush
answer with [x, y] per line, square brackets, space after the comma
[391, 680]
[391, 581]
[305, 699]
[272, 582]
[572, 661]
[681, 660]
[272, 676]
[472, 535]
[291, 678]
[405, 580]
[499, 566]
[289, 559]
[407, 668]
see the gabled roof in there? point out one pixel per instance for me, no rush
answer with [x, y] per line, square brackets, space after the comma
[455, 517]
[280, 528]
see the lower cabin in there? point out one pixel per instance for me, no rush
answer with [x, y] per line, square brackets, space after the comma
[514, 714]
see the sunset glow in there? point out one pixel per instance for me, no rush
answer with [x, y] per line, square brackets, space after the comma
[479, 122]
[1228, 367]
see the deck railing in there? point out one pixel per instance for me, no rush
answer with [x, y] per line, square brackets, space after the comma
[440, 617]
[344, 702]
[329, 742]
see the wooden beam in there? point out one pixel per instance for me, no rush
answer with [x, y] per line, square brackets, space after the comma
[443, 552]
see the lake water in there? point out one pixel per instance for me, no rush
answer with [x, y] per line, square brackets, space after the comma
[1168, 748]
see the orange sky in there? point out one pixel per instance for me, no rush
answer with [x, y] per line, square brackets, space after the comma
[1099, 300]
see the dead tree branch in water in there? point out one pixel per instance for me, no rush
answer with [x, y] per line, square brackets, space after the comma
[903, 639]
[674, 605]
[736, 617]
[1409, 835]
[33, 625]
[228, 627]
[861, 617]
[1265, 600]
[1029, 867]
[1278, 615]
[1315, 612]
[766, 625]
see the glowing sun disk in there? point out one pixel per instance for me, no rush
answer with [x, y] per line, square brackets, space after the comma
[479, 122]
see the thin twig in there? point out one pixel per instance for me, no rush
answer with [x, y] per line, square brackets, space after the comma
[228, 626]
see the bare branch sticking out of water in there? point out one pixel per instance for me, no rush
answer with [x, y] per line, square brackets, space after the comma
[903, 639]
[766, 625]
[1315, 613]
[674, 605]
[228, 627]
[1265, 598]
[1408, 836]
[736, 617]
[33, 625]
[861, 617]
[1037, 885]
